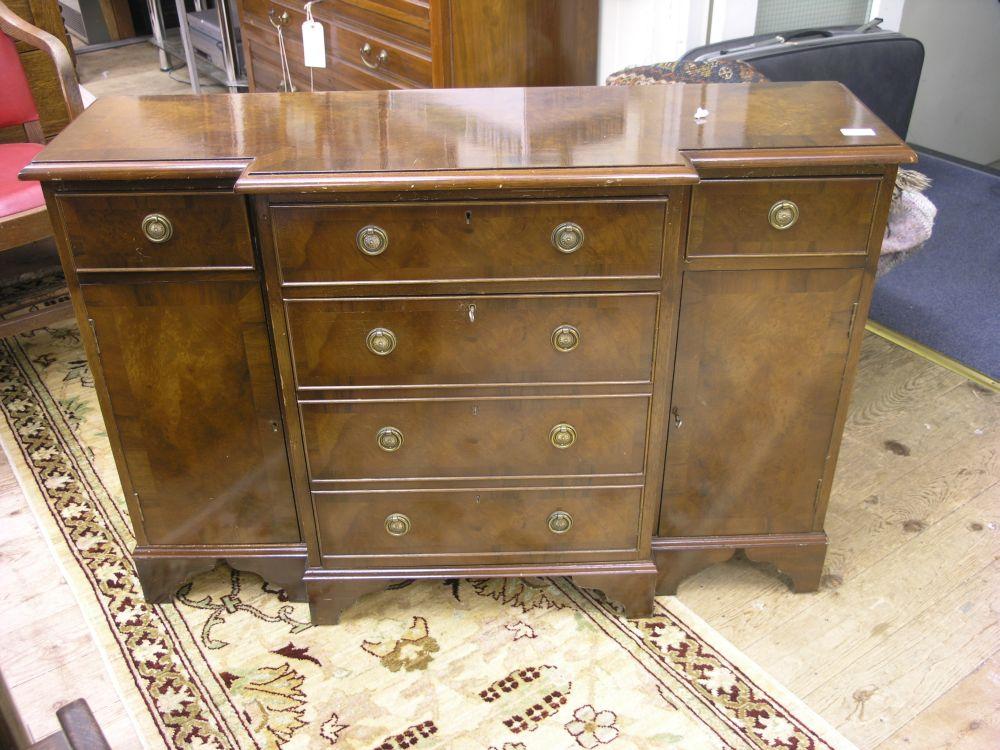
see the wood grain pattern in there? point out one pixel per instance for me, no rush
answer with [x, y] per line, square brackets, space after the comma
[476, 522]
[473, 340]
[208, 230]
[192, 392]
[475, 437]
[470, 240]
[730, 217]
[454, 138]
[760, 355]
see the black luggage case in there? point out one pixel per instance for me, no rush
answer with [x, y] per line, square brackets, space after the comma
[881, 68]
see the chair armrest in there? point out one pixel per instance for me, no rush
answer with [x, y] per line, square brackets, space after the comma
[17, 28]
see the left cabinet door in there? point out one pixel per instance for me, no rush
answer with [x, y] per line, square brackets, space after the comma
[193, 400]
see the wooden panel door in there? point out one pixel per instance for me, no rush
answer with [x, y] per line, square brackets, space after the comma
[194, 401]
[760, 362]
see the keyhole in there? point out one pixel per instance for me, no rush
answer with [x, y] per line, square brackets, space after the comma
[472, 313]
[468, 217]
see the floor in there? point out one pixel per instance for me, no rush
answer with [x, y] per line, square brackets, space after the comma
[899, 649]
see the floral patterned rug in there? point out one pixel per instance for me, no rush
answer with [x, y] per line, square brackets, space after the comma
[484, 664]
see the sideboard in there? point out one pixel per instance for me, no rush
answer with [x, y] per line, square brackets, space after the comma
[404, 44]
[346, 339]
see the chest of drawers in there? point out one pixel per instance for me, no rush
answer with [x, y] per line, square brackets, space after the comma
[591, 338]
[406, 44]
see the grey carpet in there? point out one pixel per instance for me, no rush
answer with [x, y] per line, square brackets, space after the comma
[947, 295]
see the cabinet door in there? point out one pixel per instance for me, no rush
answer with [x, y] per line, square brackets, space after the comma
[760, 362]
[194, 402]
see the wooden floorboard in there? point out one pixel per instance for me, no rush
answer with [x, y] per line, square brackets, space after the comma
[908, 608]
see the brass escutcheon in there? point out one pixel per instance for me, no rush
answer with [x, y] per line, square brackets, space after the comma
[380, 341]
[397, 524]
[372, 240]
[783, 214]
[567, 237]
[562, 435]
[389, 439]
[565, 338]
[157, 228]
[560, 522]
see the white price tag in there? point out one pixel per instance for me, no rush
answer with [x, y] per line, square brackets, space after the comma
[313, 44]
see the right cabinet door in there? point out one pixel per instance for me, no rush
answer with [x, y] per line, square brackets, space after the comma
[759, 367]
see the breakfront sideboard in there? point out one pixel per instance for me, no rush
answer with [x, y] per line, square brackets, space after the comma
[346, 339]
[406, 44]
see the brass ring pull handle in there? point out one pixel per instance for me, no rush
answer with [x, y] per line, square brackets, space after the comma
[397, 524]
[560, 522]
[567, 237]
[372, 240]
[565, 338]
[783, 214]
[389, 439]
[157, 228]
[381, 59]
[380, 341]
[562, 435]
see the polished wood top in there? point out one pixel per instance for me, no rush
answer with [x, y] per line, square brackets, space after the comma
[466, 137]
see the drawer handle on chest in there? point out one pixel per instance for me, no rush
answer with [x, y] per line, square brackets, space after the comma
[372, 240]
[562, 435]
[783, 214]
[560, 522]
[565, 338]
[397, 524]
[380, 60]
[389, 439]
[567, 237]
[157, 228]
[380, 341]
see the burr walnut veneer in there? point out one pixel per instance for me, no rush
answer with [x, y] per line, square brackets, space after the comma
[347, 339]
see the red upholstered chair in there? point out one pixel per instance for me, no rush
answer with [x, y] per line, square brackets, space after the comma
[23, 217]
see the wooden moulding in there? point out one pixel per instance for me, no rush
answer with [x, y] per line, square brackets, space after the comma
[162, 570]
[331, 592]
[798, 556]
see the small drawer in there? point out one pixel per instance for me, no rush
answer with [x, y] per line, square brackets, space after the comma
[585, 338]
[478, 521]
[157, 232]
[781, 217]
[369, 50]
[468, 241]
[466, 437]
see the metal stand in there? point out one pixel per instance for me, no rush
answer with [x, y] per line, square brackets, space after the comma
[174, 50]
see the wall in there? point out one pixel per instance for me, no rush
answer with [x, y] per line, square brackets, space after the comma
[958, 103]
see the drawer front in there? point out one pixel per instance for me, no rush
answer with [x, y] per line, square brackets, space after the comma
[474, 437]
[205, 230]
[401, 67]
[370, 50]
[472, 340]
[742, 217]
[478, 521]
[469, 241]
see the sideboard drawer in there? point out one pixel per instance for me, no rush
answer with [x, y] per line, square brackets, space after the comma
[468, 241]
[782, 217]
[478, 521]
[157, 231]
[470, 340]
[467, 437]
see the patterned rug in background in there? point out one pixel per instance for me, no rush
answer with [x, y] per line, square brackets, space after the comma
[484, 664]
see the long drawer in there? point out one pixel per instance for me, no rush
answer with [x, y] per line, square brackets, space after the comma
[473, 340]
[478, 521]
[468, 241]
[467, 437]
